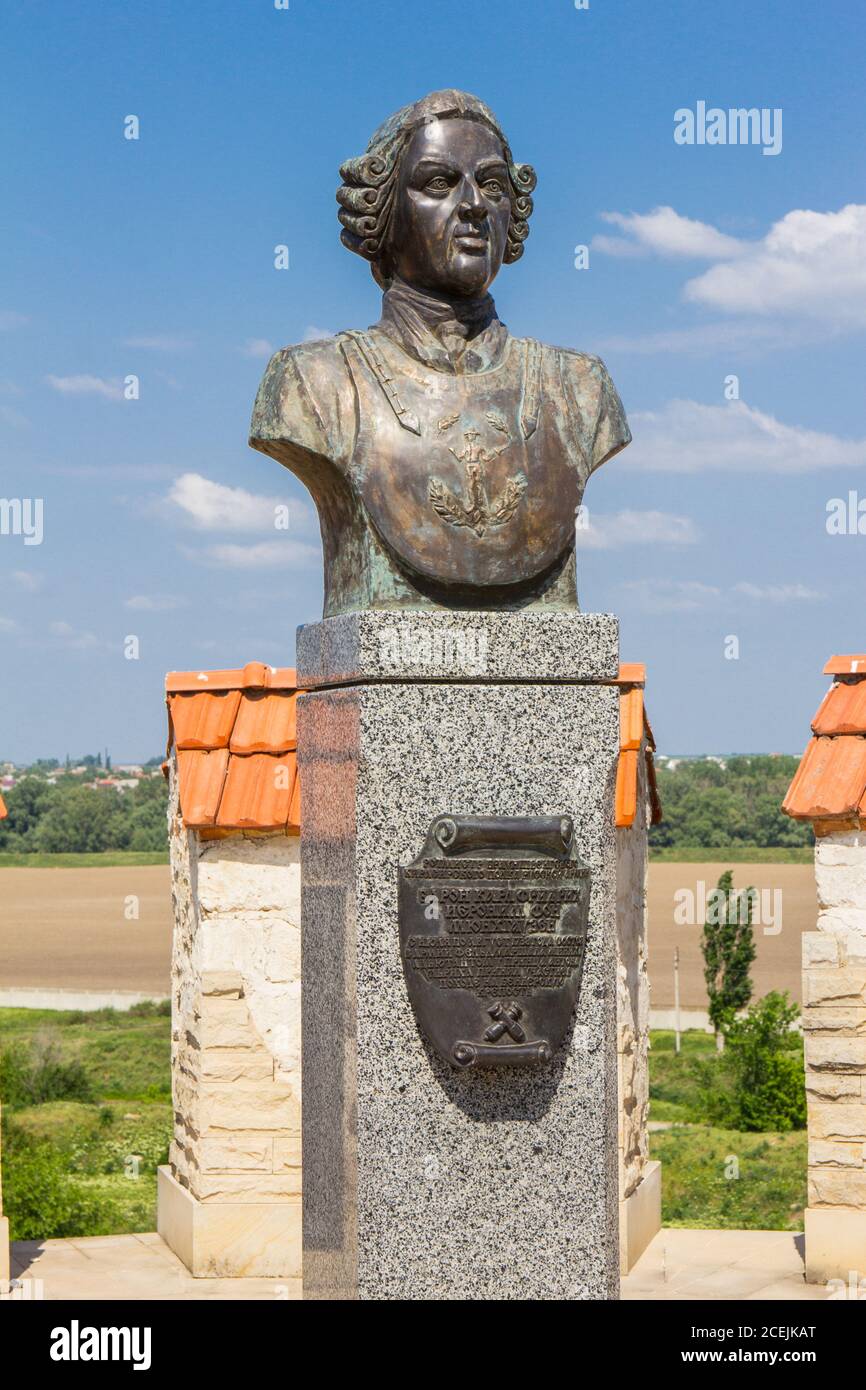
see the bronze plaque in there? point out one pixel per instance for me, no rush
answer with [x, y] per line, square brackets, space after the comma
[493, 922]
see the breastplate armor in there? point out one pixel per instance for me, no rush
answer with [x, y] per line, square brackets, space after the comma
[467, 479]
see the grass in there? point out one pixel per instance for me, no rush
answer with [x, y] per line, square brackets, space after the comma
[106, 859]
[88, 1167]
[718, 1178]
[732, 854]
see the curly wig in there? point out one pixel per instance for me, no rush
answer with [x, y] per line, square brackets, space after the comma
[366, 195]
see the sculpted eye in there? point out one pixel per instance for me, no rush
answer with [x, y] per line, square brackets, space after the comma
[438, 184]
[493, 186]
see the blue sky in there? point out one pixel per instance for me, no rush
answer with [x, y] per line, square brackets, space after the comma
[155, 258]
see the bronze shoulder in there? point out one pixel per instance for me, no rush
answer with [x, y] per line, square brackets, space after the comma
[306, 401]
[594, 407]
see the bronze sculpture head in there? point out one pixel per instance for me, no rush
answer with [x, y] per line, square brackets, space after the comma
[437, 197]
[445, 456]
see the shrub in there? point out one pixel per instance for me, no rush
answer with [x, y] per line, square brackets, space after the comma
[40, 1198]
[38, 1074]
[759, 1084]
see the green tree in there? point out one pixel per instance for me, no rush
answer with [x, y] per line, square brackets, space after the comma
[761, 1085]
[728, 947]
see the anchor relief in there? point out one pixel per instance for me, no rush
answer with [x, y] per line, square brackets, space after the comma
[475, 509]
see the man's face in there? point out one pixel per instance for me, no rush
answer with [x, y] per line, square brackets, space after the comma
[453, 209]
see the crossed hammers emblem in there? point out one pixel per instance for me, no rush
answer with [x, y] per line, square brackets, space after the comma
[505, 1018]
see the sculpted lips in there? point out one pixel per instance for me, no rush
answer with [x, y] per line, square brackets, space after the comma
[472, 240]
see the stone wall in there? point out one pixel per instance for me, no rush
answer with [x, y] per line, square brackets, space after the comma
[632, 994]
[834, 1021]
[639, 1180]
[236, 1065]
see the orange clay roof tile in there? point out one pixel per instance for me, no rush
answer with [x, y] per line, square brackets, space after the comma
[626, 787]
[830, 783]
[843, 709]
[265, 723]
[631, 717]
[258, 791]
[632, 672]
[235, 735]
[634, 728]
[204, 720]
[3, 811]
[854, 665]
[201, 777]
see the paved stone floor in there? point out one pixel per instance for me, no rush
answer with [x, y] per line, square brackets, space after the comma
[134, 1267]
[751, 1265]
[677, 1265]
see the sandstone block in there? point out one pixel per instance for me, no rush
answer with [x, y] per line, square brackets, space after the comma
[829, 1086]
[836, 1054]
[225, 983]
[287, 1153]
[247, 1106]
[839, 1121]
[850, 1022]
[249, 1187]
[819, 948]
[821, 986]
[223, 1065]
[823, 1153]
[241, 1151]
[837, 1188]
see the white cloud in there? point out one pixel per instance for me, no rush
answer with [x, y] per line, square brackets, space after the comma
[84, 385]
[670, 595]
[283, 554]
[627, 528]
[211, 506]
[160, 342]
[705, 339]
[313, 333]
[7, 624]
[664, 232]
[74, 638]
[810, 264]
[257, 347]
[153, 603]
[10, 319]
[692, 595]
[689, 437]
[777, 593]
[29, 582]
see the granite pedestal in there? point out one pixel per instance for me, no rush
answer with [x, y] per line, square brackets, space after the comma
[422, 1181]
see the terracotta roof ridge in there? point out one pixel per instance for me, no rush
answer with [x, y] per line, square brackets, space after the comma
[256, 675]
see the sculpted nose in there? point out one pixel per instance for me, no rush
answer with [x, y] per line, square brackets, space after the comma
[472, 205]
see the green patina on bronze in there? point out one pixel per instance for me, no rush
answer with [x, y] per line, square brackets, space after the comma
[446, 458]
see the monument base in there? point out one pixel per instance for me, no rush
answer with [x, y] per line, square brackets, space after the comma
[4, 1251]
[835, 1244]
[229, 1240]
[640, 1217]
[422, 1180]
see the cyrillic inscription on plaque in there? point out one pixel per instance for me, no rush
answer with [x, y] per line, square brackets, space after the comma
[493, 922]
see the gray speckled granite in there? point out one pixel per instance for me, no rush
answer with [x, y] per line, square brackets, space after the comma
[380, 645]
[421, 1181]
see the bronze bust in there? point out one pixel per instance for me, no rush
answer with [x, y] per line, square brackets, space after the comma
[446, 458]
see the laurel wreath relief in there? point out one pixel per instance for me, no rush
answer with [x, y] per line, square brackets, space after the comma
[474, 509]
